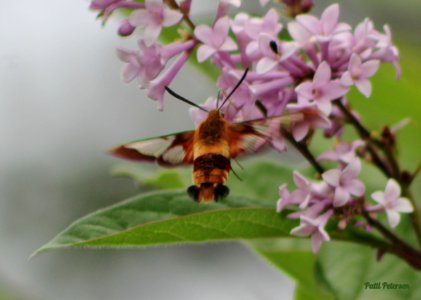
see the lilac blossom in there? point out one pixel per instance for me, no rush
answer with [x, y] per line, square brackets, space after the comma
[345, 182]
[313, 118]
[321, 90]
[358, 74]
[214, 39]
[255, 27]
[314, 227]
[344, 152]
[153, 19]
[271, 59]
[391, 202]
[324, 28]
[156, 88]
[144, 64]
[106, 7]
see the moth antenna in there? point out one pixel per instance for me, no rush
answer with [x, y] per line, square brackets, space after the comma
[235, 173]
[262, 108]
[235, 88]
[217, 98]
[175, 95]
[238, 163]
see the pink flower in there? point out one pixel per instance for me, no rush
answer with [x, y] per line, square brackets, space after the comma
[156, 89]
[255, 27]
[321, 90]
[144, 64]
[313, 118]
[106, 7]
[344, 152]
[270, 58]
[345, 182]
[314, 227]
[153, 18]
[322, 30]
[391, 202]
[387, 51]
[214, 39]
[358, 74]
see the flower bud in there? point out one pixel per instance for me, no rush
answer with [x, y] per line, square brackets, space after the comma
[126, 28]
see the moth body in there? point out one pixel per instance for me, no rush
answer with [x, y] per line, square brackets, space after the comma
[211, 154]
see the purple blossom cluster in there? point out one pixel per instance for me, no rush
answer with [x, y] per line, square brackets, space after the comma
[309, 71]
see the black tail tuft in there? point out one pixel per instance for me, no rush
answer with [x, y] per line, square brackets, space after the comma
[193, 192]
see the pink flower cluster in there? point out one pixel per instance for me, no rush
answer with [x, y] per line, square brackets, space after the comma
[316, 66]
[340, 194]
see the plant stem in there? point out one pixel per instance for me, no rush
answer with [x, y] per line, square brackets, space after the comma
[398, 246]
[390, 171]
[186, 18]
[366, 136]
[303, 149]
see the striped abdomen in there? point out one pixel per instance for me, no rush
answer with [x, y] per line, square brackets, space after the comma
[210, 172]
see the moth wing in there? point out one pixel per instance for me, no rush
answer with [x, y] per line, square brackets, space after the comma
[168, 150]
[252, 136]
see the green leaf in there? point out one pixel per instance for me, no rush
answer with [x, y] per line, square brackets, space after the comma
[293, 258]
[262, 180]
[148, 176]
[171, 217]
[348, 267]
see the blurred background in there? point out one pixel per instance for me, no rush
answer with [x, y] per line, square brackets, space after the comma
[62, 105]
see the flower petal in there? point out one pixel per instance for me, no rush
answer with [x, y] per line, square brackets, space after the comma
[305, 91]
[203, 33]
[332, 177]
[356, 188]
[204, 52]
[300, 130]
[316, 242]
[354, 66]
[265, 64]
[171, 17]
[300, 181]
[302, 230]
[393, 217]
[341, 197]
[309, 22]
[140, 17]
[370, 68]
[228, 45]
[352, 170]
[364, 86]
[323, 75]
[299, 33]
[151, 33]
[129, 73]
[378, 197]
[403, 205]
[346, 79]
[329, 18]
[392, 191]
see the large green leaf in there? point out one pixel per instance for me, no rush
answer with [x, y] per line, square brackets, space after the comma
[348, 267]
[293, 257]
[171, 217]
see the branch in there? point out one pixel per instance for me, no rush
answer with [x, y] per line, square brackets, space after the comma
[303, 149]
[186, 18]
[392, 171]
[398, 246]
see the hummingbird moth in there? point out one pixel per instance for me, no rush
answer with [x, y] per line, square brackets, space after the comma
[209, 148]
